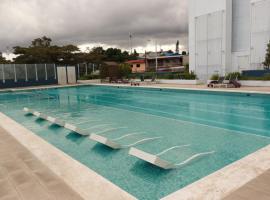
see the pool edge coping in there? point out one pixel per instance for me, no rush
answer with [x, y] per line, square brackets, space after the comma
[152, 86]
[227, 180]
[86, 182]
[128, 86]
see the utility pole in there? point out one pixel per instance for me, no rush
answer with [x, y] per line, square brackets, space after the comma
[156, 57]
[130, 42]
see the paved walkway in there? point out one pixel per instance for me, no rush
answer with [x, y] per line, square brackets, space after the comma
[24, 177]
[257, 189]
[181, 86]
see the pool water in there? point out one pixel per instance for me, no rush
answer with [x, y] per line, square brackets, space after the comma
[233, 125]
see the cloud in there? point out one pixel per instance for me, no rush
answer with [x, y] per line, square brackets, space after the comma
[84, 22]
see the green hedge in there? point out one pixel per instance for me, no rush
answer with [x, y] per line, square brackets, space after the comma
[171, 75]
[89, 77]
[237, 75]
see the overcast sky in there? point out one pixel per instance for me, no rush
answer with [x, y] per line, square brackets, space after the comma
[94, 22]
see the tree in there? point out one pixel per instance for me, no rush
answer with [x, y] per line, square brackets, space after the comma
[95, 55]
[133, 56]
[124, 70]
[41, 51]
[117, 55]
[267, 57]
[42, 42]
[3, 59]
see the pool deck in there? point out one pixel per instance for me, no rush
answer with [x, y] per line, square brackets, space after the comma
[87, 183]
[251, 174]
[204, 87]
[259, 188]
[24, 177]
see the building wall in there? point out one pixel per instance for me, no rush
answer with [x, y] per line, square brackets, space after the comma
[185, 60]
[240, 35]
[240, 25]
[227, 36]
[210, 36]
[138, 67]
[260, 32]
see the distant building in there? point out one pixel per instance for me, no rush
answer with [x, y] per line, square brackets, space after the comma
[167, 63]
[175, 63]
[227, 35]
[138, 66]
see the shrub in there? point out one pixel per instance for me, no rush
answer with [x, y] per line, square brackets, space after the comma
[124, 70]
[266, 77]
[189, 76]
[90, 77]
[166, 75]
[267, 57]
[214, 77]
[233, 75]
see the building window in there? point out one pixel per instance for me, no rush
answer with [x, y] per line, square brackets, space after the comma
[138, 65]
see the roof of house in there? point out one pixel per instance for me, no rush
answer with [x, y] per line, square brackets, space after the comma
[164, 57]
[111, 63]
[136, 61]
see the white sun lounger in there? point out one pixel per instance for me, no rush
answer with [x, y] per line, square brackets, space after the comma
[162, 163]
[114, 143]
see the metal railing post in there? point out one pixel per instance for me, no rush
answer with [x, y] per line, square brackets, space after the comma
[26, 73]
[36, 72]
[46, 75]
[78, 70]
[86, 70]
[3, 73]
[15, 75]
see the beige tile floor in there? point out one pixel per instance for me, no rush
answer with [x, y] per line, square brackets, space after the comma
[257, 89]
[257, 189]
[24, 177]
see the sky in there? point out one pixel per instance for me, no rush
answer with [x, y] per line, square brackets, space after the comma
[89, 23]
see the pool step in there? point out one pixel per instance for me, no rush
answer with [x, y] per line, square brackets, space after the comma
[56, 121]
[115, 143]
[163, 163]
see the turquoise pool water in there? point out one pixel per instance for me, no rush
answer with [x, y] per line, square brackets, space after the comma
[231, 124]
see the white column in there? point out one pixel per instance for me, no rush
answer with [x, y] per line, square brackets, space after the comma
[156, 57]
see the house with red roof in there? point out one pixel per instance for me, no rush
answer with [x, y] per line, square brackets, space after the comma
[137, 66]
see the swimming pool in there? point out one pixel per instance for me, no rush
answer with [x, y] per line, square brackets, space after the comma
[232, 125]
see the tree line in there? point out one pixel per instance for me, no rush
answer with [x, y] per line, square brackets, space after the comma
[41, 50]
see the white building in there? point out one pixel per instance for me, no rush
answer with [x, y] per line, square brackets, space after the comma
[227, 35]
